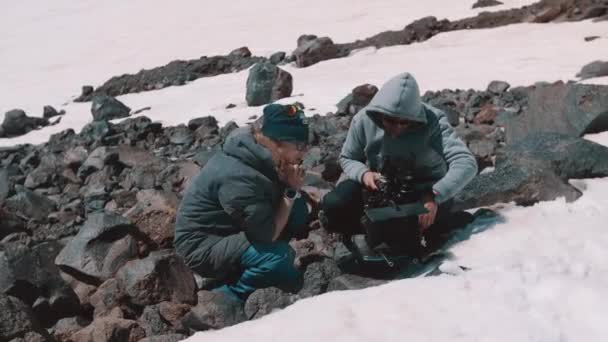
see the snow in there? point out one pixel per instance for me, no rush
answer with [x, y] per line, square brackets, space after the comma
[520, 54]
[49, 50]
[539, 274]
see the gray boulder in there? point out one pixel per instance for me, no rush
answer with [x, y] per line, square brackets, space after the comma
[103, 244]
[267, 83]
[30, 275]
[312, 51]
[213, 311]
[594, 69]
[162, 276]
[106, 108]
[572, 109]
[536, 169]
[16, 123]
[16, 318]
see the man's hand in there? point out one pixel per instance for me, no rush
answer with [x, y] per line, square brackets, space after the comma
[369, 180]
[292, 175]
[426, 220]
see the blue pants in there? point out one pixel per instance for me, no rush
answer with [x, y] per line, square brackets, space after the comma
[271, 264]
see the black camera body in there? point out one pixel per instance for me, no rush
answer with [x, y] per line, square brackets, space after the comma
[390, 219]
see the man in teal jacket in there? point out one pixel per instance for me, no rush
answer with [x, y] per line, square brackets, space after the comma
[397, 123]
[238, 214]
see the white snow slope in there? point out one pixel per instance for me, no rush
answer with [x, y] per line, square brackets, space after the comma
[539, 275]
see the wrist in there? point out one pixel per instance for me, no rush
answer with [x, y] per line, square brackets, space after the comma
[291, 194]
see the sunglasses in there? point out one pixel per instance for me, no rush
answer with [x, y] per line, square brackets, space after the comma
[399, 122]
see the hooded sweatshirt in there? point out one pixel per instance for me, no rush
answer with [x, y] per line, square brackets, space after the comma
[229, 203]
[433, 148]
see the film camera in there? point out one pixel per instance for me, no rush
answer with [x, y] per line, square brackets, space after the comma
[390, 219]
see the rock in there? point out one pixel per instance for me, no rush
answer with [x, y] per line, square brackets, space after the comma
[277, 57]
[242, 52]
[75, 157]
[359, 98]
[16, 318]
[594, 69]
[12, 228]
[305, 38]
[87, 91]
[106, 108]
[30, 275]
[498, 87]
[103, 244]
[206, 121]
[314, 51]
[5, 185]
[49, 112]
[108, 296]
[486, 3]
[264, 301]
[132, 156]
[162, 276]
[573, 109]
[16, 123]
[179, 135]
[165, 338]
[213, 311]
[66, 327]
[487, 115]
[536, 169]
[30, 205]
[352, 282]
[591, 38]
[109, 329]
[96, 161]
[152, 322]
[83, 291]
[317, 277]
[154, 216]
[96, 131]
[173, 312]
[267, 83]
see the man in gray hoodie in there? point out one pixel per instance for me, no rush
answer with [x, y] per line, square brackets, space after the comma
[397, 123]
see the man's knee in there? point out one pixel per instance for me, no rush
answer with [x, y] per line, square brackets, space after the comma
[280, 267]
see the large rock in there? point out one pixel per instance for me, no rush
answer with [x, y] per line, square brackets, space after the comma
[314, 51]
[536, 169]
[103, 244]
[594, 69]
[110, 329]
[264, 301]
[108, 296]
[154, 216]
[213, 311]
[66, 327]
[106, 108]
[162, 276]
[573, 109]
[267, 83]
[153, 323]
[30, 275]
[486, 3]
[30, 205]
[317, 277]
[95, 161]
[357, 99]
[16, 123]
[16, 318]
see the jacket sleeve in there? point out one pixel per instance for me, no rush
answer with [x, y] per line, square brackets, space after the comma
[462, 166]
[249, 209]
[352, 156]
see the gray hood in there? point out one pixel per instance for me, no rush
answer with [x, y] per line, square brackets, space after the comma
[399, 97]
[240, 144]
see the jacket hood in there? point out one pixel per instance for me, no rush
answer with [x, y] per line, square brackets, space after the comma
[240, 144]
[399, 97]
